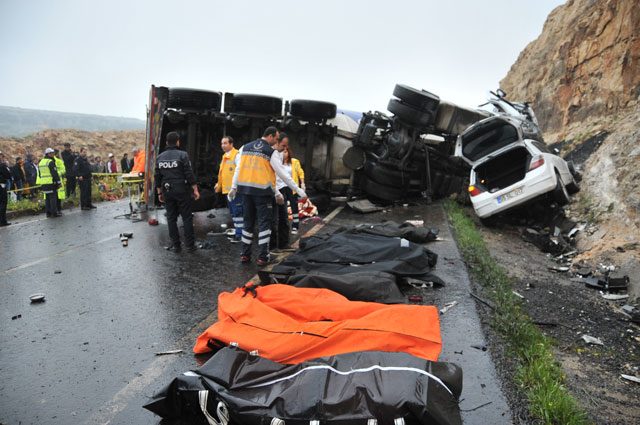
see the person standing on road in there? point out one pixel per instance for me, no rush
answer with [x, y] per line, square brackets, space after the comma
[5, 177]
[31, 171]
[255, 179]
[280, 220]
[19, 178]
[174, 182]
[298, 176]
[225, 179]
[83, 172]
[112, 164]
[62, 172]
[69, 159]
[139, 159]
[125, 165]
[49, 182]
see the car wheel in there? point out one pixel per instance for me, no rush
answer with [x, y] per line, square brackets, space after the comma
[379, 191]
[573, 187]
[312, 109]
[242, 103]
[194, 99]
[560, 193]
[409, 113]
[420, 99]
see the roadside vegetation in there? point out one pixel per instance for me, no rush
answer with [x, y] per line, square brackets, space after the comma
[538, 374]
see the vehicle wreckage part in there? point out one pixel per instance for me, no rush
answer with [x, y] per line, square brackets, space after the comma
[420, 99]
[409, 114]
[348, 389]
[389, 176]
[292, 325]
[560, 193]
[312, 109]
[253, 104]
[182, 98]
[453, 119]
[354, 158]
[382, 192]
[503, 170]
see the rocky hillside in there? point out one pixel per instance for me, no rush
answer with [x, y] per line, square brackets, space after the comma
[582, 76]
[97, 143]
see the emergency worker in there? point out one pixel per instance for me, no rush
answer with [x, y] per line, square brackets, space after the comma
[49, 181]
[225, 179]
[62, 172]
[174, 182]
[255, 179]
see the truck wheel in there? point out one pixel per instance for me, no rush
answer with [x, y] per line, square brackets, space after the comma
[255, 104]
[410, 114]
[379, 191]
[388, 176]
[420, 99]
[194, 99]
[312, 109]
[560, 193]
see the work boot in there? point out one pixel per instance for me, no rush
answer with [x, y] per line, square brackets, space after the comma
[173, 248]
[244, 259]
[6, 223]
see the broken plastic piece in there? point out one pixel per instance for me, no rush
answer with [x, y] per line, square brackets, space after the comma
[559, 269]
[615, 297]
[37, 298]
[592, 340]
[128, 235]
[57, 271]
[448, 306]
[17, 316]
[518, 295]
[630, 378]
[479, 347]
[163, 353]
[364, 206]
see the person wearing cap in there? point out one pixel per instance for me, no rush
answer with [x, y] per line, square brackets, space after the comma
[112, 164]
[176, 186]
[82, 169]
[255, 179]
[5, 177]
[49, 182]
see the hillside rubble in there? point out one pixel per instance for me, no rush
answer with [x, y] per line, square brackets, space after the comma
[582, 76]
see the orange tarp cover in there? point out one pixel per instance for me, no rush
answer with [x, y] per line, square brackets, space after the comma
[290, 325]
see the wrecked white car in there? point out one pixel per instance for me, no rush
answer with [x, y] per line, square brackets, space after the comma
[510, 163]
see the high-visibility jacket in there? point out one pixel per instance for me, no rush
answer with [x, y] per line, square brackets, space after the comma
[297, 172]
[256, 176]
[62, 172]
[45, 177]
[226, 171]
[139, 162]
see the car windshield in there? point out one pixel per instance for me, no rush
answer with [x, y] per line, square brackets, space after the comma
[488, 138]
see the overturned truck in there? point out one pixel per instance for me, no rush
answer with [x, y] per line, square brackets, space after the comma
[406, 154]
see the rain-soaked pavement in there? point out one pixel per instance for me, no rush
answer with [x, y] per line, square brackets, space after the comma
[87, 355]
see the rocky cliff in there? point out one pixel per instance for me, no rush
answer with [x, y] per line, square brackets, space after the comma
[582, 76]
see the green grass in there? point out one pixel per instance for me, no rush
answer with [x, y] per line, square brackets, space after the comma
[538, 374]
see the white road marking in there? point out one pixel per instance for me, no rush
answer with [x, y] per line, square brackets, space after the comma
[119, 402]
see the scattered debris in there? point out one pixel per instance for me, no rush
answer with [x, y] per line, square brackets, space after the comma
[415, 298]
[483, 301]
[417, 283]
[57, 271]
[128, 235]
[37, 298]
[605, 283]
[448, 306]
[630, 378]
[518, 295]
[153, 222]
[480, 347]
[417, 223]
[211, 216]
[124, 240]
[364, 206]
[477, 407]
[592, 340]
[614, 297]
[164, 353]
[17, 316]
[208, 244]
[559, 269]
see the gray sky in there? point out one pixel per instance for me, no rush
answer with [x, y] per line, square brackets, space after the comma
[101, 56]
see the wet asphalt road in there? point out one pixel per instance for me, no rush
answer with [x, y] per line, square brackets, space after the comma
[87, 355]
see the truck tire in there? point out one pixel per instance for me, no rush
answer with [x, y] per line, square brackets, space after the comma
[388, 176]
[410, 114]
[312, 109]
[180, 98]
[379, 191]
[420, 99]
[255, 104]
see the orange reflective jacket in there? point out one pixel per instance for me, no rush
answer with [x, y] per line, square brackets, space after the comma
[291, 325]
[139, 162]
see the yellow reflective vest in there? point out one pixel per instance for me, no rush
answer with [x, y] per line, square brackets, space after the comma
[256, 176]
[62, 172]
[297, 172]
[226, 171]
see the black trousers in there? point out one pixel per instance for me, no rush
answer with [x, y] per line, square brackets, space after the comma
[292, 198]
[280, 224]
[178, 202]
[3, 205]
[260, 209]
[71, 186]
[51, 202]
[85, 192]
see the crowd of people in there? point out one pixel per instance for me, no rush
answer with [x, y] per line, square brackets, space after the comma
[56, 175]
[259, 180]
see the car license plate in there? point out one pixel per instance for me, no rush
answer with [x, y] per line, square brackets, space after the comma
[509, 195]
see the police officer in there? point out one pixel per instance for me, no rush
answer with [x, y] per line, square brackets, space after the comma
[49, 181]
[83, 172]
[173, 177]
[255, 179]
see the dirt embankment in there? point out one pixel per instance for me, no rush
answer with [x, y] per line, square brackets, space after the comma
[582, 76]
[97, 143]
